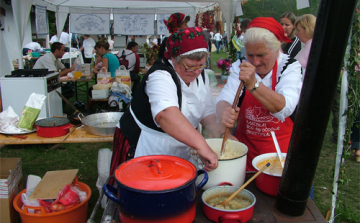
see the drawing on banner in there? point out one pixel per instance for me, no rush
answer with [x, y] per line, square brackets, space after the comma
[90, 23]
[133, 24]
[41, 20]
[161, 27]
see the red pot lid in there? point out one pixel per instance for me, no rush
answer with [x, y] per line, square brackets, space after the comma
[155, 173]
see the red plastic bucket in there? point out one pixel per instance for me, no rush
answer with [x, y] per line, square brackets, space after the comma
[77, 214]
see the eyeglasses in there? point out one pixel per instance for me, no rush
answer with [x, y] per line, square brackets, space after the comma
[190, 69]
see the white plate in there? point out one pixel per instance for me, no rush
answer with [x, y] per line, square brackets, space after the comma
[18, 133]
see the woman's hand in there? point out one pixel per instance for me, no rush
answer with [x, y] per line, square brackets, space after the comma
[209, 158]
[247, 74]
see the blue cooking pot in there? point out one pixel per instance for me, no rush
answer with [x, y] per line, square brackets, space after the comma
[156, 188]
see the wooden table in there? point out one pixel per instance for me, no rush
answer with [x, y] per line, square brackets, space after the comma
[78, 136]
[264, 210]
[80, 83]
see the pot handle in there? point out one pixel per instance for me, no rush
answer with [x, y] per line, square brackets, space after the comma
[111, 192]
[230, 217]
[67, 126]
[204, 180]
[225, 184]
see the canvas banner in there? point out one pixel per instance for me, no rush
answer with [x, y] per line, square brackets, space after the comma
[90, 24]
[160, 25]
[134, 24]
[41, 20]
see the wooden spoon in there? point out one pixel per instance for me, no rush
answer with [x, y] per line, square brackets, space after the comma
[244, 185]
[227, 130]
[67, 135]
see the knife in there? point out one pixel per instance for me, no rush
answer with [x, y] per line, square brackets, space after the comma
[67, 101]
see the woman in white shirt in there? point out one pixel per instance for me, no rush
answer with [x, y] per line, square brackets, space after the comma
[88, 47]
[170, 104]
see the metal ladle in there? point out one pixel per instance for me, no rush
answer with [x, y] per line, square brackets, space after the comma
[278, 151]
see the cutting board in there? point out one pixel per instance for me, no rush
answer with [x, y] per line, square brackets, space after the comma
[52, 183]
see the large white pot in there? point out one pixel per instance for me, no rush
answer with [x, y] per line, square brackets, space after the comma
[229, 170]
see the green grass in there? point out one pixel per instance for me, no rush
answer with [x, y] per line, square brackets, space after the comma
[38, 159]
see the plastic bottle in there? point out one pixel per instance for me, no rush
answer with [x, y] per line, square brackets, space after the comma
[77, 71]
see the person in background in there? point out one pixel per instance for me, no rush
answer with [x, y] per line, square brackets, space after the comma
[355, 138]
[109, 60]
[53, 39]
[88, 48]
[111, 42]
[156, 123]
[305, 27]
[65, 39]
[152, 41]
[175, 22]
[268, 100]
[34, 46]
[243, 26]
[287, 21]
[51, 61]
[134, 62]
[208, 40]
[218, 40]
[98, 63]
[225, 41]
[74, 41]
[150, 62]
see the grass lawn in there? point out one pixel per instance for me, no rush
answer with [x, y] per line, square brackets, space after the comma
[38, 159]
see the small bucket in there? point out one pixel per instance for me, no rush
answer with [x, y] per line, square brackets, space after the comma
[76, 214]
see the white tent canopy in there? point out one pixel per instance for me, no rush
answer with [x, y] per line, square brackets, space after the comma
[189, 7]
[63, 7]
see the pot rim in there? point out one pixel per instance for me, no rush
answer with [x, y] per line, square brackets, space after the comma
[235, 188]
[52, 126]
[157, 191]
[67, 122]
[247, 150]
[257, 158]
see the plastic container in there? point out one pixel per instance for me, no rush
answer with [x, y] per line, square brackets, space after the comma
[77, 71]
[77, 214]
[35, 54]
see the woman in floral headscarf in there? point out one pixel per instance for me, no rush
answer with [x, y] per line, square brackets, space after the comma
[175, 22]
[173, 98]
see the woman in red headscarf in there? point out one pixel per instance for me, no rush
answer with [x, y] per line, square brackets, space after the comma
[175, 22]
[272, 83]
[173, 98]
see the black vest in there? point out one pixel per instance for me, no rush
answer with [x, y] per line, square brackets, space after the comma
[141, 107]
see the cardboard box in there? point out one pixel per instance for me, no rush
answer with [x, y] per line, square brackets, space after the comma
[10, 186]
[100, 94]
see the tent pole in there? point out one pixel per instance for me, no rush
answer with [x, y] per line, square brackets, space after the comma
[333, 26]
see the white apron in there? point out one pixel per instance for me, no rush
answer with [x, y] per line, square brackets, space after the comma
[152, 142]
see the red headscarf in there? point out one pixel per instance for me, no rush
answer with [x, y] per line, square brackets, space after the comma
[185, 41]
[272, 25]
[174, 21]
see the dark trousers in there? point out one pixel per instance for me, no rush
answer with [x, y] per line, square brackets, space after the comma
[335, 104]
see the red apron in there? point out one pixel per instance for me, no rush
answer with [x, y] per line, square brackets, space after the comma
[255, 123]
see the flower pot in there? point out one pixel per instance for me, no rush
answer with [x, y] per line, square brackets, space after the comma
[224, 76]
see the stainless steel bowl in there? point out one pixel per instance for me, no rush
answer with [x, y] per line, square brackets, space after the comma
[101, 124]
